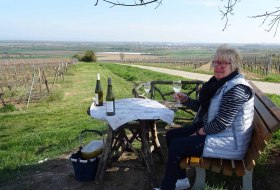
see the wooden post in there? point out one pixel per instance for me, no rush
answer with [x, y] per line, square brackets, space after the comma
[255, 62]
[46, 81]
[146, 153]
[31, 88]
[104, 157]
[268, 64]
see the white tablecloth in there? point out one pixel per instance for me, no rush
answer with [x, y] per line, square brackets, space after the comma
[130, 109]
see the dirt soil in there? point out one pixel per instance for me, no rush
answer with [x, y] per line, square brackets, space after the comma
[128, 173]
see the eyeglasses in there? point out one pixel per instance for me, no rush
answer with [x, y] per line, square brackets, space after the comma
[223, 64]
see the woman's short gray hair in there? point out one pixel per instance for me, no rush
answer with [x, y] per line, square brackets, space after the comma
[229, 54]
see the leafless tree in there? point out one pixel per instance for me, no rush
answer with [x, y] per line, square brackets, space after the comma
[271, 18]
[122, 56]
[227, 11]
[131, 2]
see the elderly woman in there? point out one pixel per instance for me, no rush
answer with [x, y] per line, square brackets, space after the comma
[222, 127]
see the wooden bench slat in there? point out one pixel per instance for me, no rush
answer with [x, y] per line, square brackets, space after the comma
[255, 154]
[266, 116]
[227, 167]
[276, 128]
[259, 143]
[249, 162]
[194, 161]
[216, 165]
[185, 162]
[272, 107]
[205, 163]
[275, 111]
[261, 127]
[239, 167]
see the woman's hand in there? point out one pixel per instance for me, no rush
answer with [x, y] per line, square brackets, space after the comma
[181, 97]
[200, 132]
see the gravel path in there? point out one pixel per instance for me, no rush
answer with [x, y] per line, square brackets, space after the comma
[266, 87]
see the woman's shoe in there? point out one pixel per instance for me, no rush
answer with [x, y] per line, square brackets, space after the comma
[182, 184]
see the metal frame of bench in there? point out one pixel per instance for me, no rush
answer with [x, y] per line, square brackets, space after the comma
[266, 122]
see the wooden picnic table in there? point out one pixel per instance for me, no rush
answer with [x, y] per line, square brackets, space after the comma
[139, 116]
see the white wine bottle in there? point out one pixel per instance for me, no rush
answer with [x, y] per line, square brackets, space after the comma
[110, 99]
[98, 92]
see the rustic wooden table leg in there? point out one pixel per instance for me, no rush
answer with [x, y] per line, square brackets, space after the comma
[104, 157]
[155, 140]
[147, 156]
[119, 144]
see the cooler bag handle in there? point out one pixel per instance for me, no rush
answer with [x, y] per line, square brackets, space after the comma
[88, 130]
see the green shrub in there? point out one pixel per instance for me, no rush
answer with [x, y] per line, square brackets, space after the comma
[89, 56]
[78, 56]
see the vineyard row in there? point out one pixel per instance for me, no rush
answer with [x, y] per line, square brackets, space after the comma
[23, 81]
[261, 65]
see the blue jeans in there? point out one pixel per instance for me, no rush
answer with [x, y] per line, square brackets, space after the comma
[180, 144]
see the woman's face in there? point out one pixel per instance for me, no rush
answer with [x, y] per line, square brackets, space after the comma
[221, 68]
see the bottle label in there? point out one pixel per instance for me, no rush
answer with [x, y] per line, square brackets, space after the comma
[109, 106]
[96, 99]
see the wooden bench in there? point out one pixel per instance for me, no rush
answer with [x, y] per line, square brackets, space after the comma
[266, 122]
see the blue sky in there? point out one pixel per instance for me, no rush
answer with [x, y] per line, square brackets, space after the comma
[173, 21]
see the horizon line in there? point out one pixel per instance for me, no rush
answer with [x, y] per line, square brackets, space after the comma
[166, 42]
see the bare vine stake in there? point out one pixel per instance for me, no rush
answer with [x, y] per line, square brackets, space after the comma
[30, 92]
[39, 78]
[56, 74]
[2, 100]
[46, 81]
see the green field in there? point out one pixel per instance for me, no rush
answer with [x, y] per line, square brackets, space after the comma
[50, 128]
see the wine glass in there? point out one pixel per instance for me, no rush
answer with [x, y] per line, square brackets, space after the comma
[147, 87]
[177, 86]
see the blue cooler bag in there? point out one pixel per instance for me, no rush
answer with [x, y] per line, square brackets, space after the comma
[85, 170]
[85, 167]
